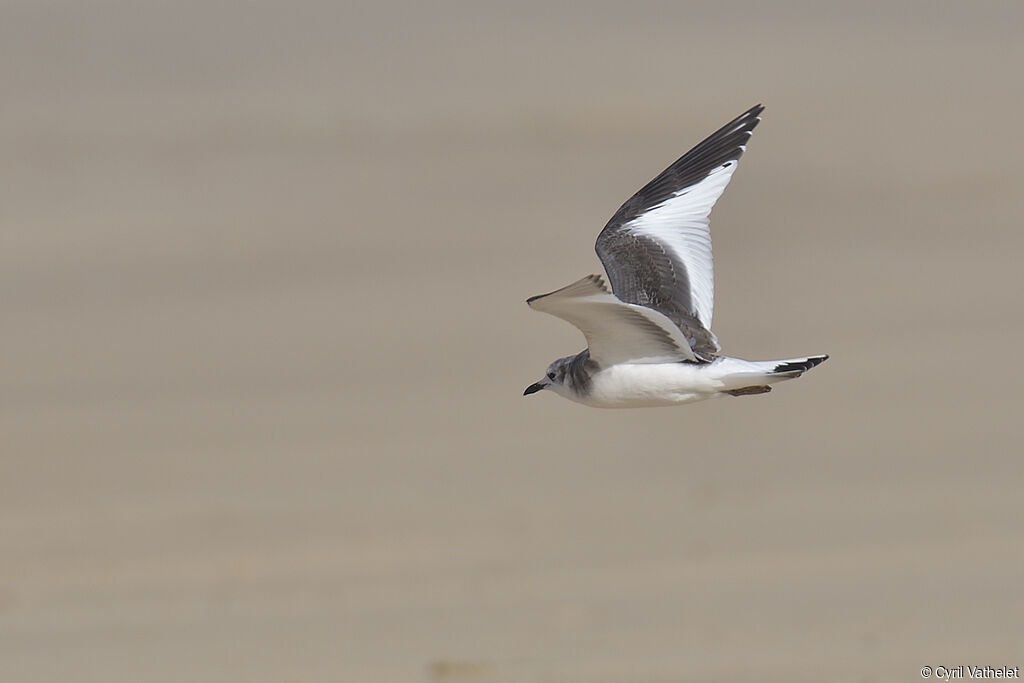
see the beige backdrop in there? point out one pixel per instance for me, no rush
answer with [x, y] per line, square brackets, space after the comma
[263, 268]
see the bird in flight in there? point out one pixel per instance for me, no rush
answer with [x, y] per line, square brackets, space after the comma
[649, 339]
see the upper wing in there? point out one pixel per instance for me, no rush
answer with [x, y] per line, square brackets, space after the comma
[656, 249]
[616, 332]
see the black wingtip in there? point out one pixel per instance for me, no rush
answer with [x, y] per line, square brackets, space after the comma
[723, 147]
[752, 115]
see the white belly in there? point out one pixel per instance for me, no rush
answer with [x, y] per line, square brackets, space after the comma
[644, 385]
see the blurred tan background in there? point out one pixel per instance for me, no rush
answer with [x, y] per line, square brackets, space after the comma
[264, 342]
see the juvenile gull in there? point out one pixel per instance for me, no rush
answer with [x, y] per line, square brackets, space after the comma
[649, 339]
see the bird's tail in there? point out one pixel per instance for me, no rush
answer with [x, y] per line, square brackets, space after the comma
[742, 377]
[794, 367]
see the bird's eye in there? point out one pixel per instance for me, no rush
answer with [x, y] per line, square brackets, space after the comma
[551, 376]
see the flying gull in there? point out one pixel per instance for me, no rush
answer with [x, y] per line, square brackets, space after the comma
[649, 339]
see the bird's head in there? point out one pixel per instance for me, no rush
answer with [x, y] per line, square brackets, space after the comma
[556, 378]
